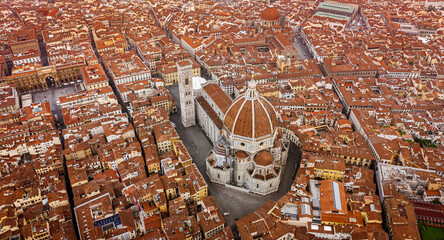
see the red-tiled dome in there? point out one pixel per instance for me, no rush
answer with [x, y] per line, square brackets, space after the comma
[263, 158]
[270, 13]
[241, 154]
[251, 115]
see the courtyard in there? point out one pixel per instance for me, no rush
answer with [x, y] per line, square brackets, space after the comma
[236, 203]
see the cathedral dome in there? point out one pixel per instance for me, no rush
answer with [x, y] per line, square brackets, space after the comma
[270, 13]
[251, 115]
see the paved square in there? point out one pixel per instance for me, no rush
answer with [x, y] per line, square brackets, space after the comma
[52, 95]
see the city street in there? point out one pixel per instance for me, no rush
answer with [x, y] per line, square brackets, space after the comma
[303, 52]
[235, 202]
[43, 52]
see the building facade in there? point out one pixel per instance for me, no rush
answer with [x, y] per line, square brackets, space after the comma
[251, 151]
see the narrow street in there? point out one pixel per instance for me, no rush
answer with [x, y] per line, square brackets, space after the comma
[43, 52]
[68, 183]
[108, 75]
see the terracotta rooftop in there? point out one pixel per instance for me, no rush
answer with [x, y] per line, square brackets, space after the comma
[218, 96]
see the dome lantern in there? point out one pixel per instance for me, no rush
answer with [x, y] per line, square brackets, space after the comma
[251, 92]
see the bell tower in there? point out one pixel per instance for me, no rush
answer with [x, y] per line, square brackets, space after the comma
[184, 72]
